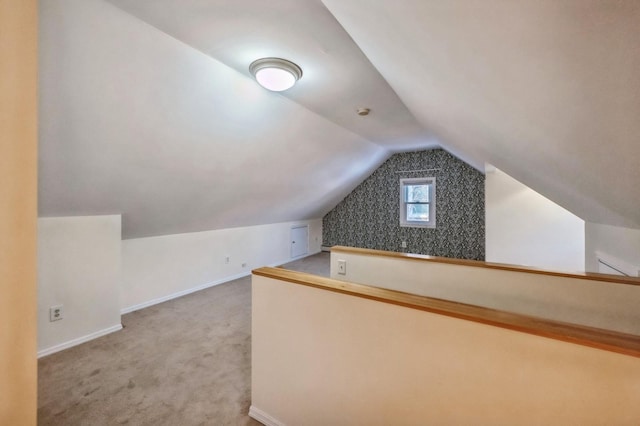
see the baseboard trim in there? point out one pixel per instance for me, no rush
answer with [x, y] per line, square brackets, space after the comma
[100, 333]
[181, 293]
[79, 340]
[264, 418]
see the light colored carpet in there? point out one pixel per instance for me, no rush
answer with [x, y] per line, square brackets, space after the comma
[318, 264]
[182, 362]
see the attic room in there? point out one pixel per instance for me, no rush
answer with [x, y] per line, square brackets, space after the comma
[144, 163]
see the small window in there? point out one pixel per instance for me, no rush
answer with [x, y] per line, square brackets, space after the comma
[418, 202]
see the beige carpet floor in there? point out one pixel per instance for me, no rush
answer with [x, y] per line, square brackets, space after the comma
[183, 362]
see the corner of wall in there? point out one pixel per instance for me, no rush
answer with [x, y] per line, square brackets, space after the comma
[621, 245]
[79, 268]
[525, 228]
[157, 269]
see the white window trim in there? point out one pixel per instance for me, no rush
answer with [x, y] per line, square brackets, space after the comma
[432, 203]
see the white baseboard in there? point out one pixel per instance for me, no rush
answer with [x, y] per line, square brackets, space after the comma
[198, 288]
[79, 340]
[264, 418]
[100, 333]
[182, 293]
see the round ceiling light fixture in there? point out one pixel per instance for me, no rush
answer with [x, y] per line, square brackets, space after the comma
[275, 74]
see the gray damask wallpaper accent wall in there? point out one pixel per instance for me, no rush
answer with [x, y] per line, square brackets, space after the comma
[369, 216]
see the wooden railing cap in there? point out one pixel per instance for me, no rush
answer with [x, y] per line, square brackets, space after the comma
[616, 279]
[587, 336]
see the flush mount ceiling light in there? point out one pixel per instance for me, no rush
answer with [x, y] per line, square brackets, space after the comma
[275, 74]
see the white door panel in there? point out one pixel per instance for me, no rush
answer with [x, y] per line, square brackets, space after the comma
[299, 241]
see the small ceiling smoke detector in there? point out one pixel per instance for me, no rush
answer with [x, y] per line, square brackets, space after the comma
[275, 74]
[363, 111]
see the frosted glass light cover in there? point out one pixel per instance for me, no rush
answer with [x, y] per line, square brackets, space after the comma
[275, 74]
[275, 79]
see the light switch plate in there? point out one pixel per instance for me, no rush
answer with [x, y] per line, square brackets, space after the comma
[342, 267]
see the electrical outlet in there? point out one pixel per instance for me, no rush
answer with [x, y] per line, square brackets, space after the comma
[244, 264]
[404, 244]
[342, 267]
[227, 259]
[55, 313]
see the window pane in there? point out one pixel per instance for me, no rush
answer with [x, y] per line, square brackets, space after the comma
[418, 212]
[417, 193]
[416, 198]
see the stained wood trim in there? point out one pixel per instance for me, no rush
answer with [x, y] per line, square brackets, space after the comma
[627, 344]
[616, 279]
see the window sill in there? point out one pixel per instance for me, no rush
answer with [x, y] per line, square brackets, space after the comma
[417, 225]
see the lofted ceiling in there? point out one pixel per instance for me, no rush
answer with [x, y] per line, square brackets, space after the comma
[148, 109]
[338, 78]
[546, 90]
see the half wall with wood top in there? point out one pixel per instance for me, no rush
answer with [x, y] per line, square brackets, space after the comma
[333, 352]
[595, 300]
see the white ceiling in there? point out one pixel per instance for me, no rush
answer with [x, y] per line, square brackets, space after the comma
[546, 90]
[147, 107]
[337, 77]
[135, 122]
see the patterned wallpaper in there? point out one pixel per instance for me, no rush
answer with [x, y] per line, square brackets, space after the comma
[369, 216]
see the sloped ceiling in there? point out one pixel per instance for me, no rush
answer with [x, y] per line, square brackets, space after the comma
[147, 108]
[546, 90]
[134, 121]
[338, 78]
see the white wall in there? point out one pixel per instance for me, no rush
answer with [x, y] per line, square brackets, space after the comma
[84, 265]
[78, 267]
[525, 228]
[548, 90]
[622, 245]
[325, 358]
[136, 122]
[159, 268]
[600, 304]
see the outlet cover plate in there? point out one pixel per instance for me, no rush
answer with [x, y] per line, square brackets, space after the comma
[342, 267]
[55, 313]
